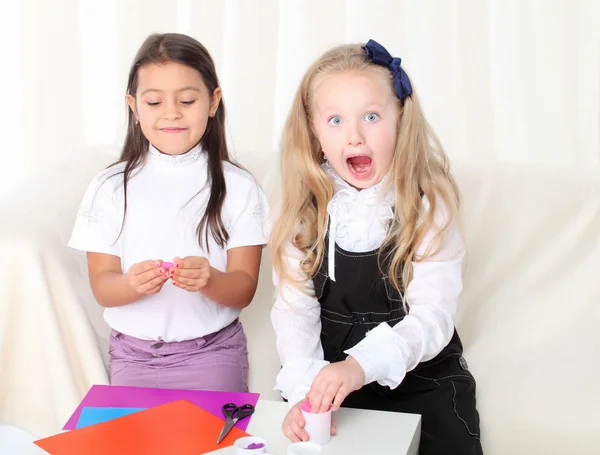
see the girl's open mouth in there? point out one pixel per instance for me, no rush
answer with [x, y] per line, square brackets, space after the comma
[360, 166]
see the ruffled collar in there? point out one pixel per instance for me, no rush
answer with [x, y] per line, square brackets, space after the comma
[162, 159]
[358, 220]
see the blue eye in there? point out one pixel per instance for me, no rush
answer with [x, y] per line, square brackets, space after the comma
[371, 117]
[335, 121]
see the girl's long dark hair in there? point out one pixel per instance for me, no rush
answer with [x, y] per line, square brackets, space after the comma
[174, 47]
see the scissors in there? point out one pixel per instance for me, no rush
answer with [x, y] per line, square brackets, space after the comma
[234, 414]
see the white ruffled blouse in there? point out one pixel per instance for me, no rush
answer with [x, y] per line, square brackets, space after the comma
[358, 220]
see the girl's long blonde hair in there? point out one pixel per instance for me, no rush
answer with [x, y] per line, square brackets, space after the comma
[419, 167]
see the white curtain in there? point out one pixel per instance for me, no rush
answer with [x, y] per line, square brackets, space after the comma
[500, 80]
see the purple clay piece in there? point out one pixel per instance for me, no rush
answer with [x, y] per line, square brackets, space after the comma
[255, 445]
[167, 265]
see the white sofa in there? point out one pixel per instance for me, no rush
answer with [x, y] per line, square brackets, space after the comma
[529, 316]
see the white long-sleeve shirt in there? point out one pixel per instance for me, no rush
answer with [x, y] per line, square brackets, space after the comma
[358, 223]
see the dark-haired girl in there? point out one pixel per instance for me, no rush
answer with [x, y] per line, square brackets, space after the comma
[174, 230]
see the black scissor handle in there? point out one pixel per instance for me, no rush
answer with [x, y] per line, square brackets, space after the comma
[244, 411]
[230, 410]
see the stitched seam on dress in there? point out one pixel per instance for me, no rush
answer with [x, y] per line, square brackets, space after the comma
[333, 320]
[322, 289]
[388, 293]
[319, 294]
[355, 255]
[423, 377]
[374, 312]
[436, 381]
[358, 312]
[359, 322]
[337, 314]
[459, 376]
[444, 377]
[459, 417]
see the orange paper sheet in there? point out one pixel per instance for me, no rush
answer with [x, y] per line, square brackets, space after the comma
[179, 427]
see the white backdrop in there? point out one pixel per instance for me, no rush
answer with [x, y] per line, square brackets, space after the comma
[500, 80]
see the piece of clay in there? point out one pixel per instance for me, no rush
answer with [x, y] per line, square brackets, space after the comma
[305, 406]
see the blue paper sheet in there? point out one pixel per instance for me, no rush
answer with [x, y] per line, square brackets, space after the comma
[92, 415]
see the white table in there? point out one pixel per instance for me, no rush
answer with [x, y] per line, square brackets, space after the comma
[358, 431]
[15, 441]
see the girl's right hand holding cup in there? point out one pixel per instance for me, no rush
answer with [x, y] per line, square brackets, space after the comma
[294, 423]
[146, 277]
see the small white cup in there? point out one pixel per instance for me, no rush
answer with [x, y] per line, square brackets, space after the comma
[241, 445]
[304, 448]
[318, 426]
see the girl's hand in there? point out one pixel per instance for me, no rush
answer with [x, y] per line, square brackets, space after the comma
[190, 273]
[293, 425]
[145, 277]
[334, 383]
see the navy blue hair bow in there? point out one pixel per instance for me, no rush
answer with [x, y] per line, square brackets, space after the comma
[381, 56]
